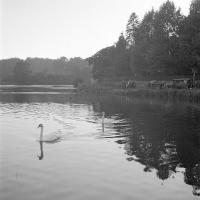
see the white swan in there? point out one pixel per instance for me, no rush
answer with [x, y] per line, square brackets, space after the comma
[106, 120]
[52, 138]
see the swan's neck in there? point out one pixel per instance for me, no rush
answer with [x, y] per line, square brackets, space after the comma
[41, 133]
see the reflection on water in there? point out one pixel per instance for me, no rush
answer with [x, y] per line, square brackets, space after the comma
[41, 156]
[165, 137]
[156, 141]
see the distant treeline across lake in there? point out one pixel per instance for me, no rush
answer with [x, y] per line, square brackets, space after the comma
[44, 71]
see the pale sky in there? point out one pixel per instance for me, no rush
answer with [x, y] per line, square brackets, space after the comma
[71, 28]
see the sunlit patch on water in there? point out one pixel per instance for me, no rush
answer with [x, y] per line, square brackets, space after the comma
[143, 149]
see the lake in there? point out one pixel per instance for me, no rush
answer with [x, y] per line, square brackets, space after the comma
[146, 148]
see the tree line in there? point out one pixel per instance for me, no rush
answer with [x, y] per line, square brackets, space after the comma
[164, 44]
[44, 71]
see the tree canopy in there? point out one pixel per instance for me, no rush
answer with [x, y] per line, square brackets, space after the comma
[163, 44]
[44, 71]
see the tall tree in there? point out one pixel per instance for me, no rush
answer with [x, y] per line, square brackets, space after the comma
[140, 58]
[189, 51]
[131, 29]
[103, 63]
[165, 38]
[122, 58]
[195, 7]
[111, 63]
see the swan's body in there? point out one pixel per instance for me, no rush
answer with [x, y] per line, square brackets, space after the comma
[51, 138]
[105, 120]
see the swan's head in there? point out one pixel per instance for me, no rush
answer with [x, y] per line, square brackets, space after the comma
[40, 126]
[103, 114]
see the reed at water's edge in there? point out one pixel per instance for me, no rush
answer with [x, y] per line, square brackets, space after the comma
[191, 95]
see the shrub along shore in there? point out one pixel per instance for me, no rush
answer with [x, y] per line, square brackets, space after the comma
[189, 95]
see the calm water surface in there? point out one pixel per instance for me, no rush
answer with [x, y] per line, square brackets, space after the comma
[147, 149]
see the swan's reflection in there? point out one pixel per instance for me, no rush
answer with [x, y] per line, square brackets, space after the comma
[41, 156]
[103, 127]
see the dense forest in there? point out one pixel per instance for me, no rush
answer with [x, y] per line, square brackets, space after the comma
[44, 71]
[164, 44]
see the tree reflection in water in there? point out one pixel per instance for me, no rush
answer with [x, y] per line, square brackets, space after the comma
[159, 135]
[162, 136]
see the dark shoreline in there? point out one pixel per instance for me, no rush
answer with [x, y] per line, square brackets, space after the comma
[191, 95]
[182, 95]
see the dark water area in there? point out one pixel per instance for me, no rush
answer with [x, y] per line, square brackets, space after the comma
[146, 149]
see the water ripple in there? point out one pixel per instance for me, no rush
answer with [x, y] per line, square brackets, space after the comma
[143, 149]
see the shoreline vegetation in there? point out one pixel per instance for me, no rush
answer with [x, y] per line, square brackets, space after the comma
[149, 59]
[159, 54]
[170, 94]
[167, 94]
[173, 94]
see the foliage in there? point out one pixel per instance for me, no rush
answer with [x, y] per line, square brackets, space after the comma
[22, 72]
[7, 68]
[111, 62]
[163, 44]
[131, 29]
[102, 63]
[189, 51]
[44, 71]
